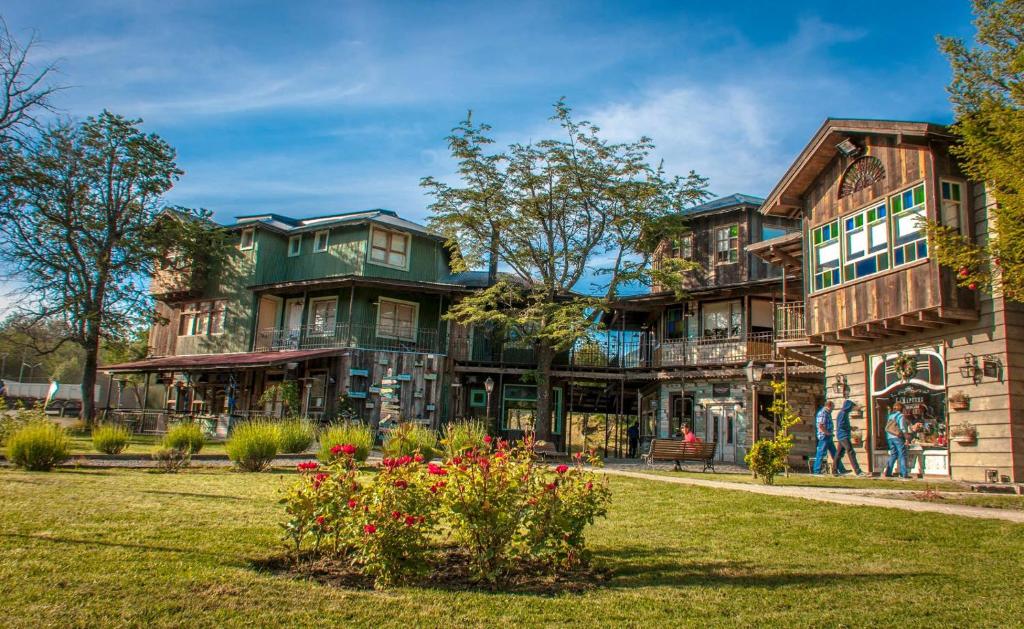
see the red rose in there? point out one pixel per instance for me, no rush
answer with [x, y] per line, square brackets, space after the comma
[551, 486]
[436, 470]
[307, 466]
[421, 519]
[488, 439]
[418, 458]
[336, 449]
[410, 520]
[369, 529]
[352, 504]
[456, 460]
[562, 469]
[590, 485]
[320, 520]
[395, 515]
[401, 483]
[348, 449]
[319, 480]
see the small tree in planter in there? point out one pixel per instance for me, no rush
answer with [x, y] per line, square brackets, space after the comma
[768, 457]
[964, 433]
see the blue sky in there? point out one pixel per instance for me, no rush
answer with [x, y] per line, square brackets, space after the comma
[314, 107]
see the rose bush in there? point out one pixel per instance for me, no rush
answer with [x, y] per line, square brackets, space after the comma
[502, 508]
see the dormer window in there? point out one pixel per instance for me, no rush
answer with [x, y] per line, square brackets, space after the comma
[320, 240]
[248, 238]
[294, 246]
[388, 248]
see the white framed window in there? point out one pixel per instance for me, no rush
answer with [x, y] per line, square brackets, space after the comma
[388, 248]
[320, 240]
[909, 241]
[865, 243]
[683, 247]
[727, 244]
[202, 318]
[825, 255]
[294, 246]
[322, 314]
[248, 239]
[952, 208]
[722, 319]
[397, 319]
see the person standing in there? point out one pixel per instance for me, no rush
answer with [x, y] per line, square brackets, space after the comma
[843, 437]
[823, 421]
[633, 435]
[896, 437]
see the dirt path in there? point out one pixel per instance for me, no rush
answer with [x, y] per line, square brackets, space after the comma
[838, 495]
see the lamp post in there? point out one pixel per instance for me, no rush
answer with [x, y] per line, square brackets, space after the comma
[754, 373]
[489, 388]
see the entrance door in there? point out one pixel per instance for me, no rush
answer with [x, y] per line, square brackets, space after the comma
[721, 427]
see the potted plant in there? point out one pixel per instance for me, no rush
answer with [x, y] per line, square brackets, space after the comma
[964, 433]
[959, 401]
[857, 412]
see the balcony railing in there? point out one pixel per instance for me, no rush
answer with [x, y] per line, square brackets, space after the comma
[790, 322]
[632, 354]
[348, 335]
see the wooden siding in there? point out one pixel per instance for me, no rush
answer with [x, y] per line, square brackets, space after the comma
[909, 289]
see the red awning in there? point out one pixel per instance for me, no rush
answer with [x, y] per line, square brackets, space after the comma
[208, 362]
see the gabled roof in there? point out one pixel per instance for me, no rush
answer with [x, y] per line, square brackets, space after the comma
[786, 198]
[722, 203]
[288, 225]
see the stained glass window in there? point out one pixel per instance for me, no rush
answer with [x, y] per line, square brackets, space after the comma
[826, 254]
[866, 242]
[908, 233]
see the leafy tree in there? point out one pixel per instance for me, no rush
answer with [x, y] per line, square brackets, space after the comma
[24, 340]
[82, 223]
[768, 457]
[987, 92]
[134, 346]
[555, 214]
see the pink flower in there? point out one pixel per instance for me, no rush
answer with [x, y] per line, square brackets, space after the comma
[590, 485]
[369, 529]
[307, 466]
[348, 449]
[562, 469]
[488, 439]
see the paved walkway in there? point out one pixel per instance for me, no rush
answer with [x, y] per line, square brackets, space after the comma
[838, 495]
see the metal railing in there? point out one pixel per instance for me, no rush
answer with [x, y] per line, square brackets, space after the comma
[349, 335]
[629, 354]
[790, 321]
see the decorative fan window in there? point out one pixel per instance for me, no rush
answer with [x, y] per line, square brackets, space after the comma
[862, 173]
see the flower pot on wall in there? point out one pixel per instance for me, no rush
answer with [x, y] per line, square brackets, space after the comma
[960, 405]
[966, 440]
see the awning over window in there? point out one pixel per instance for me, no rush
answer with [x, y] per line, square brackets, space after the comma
[209, 362]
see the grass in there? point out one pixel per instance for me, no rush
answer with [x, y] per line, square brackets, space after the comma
[128, 547]
[807, 480]
[140, 444]
[989, 501]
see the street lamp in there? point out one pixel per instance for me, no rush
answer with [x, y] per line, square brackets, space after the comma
[489, 388]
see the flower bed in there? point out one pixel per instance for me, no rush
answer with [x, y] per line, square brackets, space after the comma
[491, 516]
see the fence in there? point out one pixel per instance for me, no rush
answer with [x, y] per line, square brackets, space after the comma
[349, 335]
[790, 321]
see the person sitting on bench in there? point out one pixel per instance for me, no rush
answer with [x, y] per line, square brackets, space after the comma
[689, 436]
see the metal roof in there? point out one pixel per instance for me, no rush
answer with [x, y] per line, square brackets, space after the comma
[721, 203]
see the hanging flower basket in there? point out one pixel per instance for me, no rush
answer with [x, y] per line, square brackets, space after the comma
[964, 433]
[905, 366]
[856, 437]
[960, 402]
[857, 412]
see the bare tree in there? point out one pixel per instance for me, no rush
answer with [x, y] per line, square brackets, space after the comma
[24, 89]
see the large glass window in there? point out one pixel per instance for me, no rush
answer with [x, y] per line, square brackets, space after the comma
[683, 247]
[389, 248]
[867, 244]
[723, 319]
[825, 255]
[727, 244]
[909, 242]
[397, 319]
[322, 313]
[202, 318]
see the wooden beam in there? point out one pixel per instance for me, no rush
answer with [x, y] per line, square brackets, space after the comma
[791, 201]
[894, 327]
[960, 314]
[913, 322]
[862, 332]
[875, 328]
[786, 258]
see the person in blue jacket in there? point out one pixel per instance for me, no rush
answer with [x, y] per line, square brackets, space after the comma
[824, 426]
[843, 437]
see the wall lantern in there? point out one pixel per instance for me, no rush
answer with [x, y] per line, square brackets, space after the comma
[456, 383]
[754, 372]
[839, 385]
[969, 370]
[489, 384]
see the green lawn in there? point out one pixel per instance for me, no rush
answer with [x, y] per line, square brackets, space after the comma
[127, 547]
[808, 480]
[140, 444]
[990, 501]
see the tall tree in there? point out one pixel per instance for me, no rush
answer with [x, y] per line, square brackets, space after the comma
[987, 92]
[82, 224]
[24, 90]
[561, 216]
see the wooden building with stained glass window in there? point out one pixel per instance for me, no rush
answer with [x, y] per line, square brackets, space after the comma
[893, 323]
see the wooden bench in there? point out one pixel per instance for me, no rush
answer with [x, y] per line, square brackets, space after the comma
[545, 451]
[679, 451]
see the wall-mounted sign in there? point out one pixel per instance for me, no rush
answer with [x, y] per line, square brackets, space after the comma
[374, 389]
[720, 390]
[404, 376]
[431, 407]
[357, 394]
[359, 372]
[430, 376]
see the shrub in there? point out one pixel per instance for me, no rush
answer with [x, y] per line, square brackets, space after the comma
[13, 420]
[185, 436]
[358, 435]
[38, 446]
[409, 438]
[171, 460]
[110, 438]
[461, 436]
[253, 445]
[295, 435]
[768, 457]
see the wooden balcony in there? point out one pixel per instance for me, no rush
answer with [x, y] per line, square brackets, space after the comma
[348, 335]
